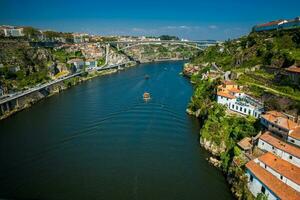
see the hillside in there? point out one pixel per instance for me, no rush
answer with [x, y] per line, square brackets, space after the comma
[258, 61]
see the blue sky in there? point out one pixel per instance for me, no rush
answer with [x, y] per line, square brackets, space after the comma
[191, 19]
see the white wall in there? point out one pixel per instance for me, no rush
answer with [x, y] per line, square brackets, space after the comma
[284, 155]
[231, 104]
[294, 141]
[255, 187]
[278, 175]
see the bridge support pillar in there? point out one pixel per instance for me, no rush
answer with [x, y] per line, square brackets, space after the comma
[7, 107]
[17, 102]
[2, 108]
[106, 54]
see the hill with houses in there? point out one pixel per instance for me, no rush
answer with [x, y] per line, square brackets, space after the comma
[247, 99]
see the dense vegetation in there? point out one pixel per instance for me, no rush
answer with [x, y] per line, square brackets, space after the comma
[258, 61]
[222, 130]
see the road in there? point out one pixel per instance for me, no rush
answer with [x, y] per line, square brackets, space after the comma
[37, 88]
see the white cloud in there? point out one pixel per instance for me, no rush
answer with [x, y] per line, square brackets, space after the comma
[212, 27]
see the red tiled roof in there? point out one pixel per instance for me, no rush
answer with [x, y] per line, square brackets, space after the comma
[229, 82]
[245, 143]
[281, 190]
[270, 23]
[294, 68]
[295, 133]
[281, 166]
[235, 90]
[279, 119]
[268, 138]
[225, 94]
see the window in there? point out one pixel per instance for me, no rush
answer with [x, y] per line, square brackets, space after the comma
[249, 112]
[236, 107]
[281, 177]
[241, 109]
[273, 148]
[293, 141]
[263, 189]
[291, 157]
[251, 178]
[265, 166]
[245, 110]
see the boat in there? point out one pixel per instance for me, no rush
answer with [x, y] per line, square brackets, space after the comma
[146, 96]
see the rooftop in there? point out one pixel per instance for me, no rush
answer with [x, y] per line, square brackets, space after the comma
[270, 139]
[245, 143]
[281, 190]
[295, 133]
[281, 166]
[225, 94]
[279, 119]
[271, 23]
[294, 69]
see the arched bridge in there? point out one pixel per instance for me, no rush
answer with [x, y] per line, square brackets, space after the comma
[197, 44]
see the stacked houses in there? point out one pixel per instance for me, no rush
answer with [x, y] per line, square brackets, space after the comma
[276, 172]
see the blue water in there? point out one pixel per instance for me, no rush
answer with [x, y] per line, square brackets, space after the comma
[100, 140]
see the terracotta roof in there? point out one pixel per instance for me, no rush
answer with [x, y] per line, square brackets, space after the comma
[281, 190]
[245, 143]
[281, 166]
[75, 60]
[293, 68]
[279, 119]
[270, 23]
[229, 82]
[268, 138]
[295, 133]
[225, 94]
[235, 90]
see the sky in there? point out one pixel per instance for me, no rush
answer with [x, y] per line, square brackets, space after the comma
[188, 19]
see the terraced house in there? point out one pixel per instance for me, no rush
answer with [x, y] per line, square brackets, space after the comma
[282, 125]
[230, 95]
[274, 177]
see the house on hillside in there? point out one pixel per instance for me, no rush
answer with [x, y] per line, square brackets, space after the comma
[230, 95]
[274, 177]
[278, 25]
[13, 32]
[273, 25]
[285, 151]
[282, 125]
[91, 63]
[294, 74]
[78, 63]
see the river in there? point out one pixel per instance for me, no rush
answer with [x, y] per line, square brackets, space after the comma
[100, 140]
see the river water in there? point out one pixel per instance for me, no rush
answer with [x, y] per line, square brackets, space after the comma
[100, 140]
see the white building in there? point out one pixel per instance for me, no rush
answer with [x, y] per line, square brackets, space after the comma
[282, 149]
[91, 63]
[281, 125]
[13, 32]
[274, 177]
[230, 95]
[78, 63]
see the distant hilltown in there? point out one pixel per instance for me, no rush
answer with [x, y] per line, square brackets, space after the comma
[278, 24]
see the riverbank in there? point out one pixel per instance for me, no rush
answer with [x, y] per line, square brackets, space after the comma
[33, 98]
[219, 134]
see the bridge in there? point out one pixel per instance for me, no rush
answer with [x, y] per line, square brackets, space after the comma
[198, 44]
